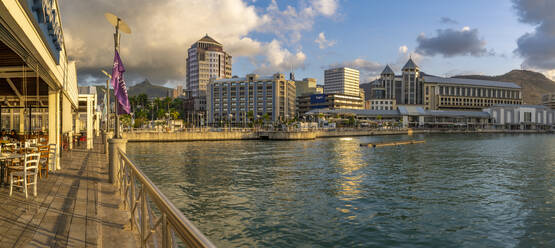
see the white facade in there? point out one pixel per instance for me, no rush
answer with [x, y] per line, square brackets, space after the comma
[522, 115]
[342, 80]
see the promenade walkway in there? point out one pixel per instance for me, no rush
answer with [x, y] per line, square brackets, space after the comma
[75, 207]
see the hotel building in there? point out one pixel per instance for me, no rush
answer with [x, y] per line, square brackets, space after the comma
[206, 59]
[231, 100]
[414, 87]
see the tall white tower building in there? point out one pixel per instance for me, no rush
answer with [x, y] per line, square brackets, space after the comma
[342, 80]
[206, 59]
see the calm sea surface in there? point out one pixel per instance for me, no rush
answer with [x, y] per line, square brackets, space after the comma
[454, 191]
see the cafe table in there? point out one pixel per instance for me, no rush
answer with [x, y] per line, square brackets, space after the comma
[5, 157]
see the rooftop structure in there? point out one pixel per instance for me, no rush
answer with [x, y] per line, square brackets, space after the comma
[474, 82]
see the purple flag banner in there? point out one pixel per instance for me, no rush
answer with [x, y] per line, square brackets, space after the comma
[118, 83]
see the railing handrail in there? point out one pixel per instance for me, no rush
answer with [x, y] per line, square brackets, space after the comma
[182, 226]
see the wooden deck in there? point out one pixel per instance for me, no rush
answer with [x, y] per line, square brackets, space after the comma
[75, 207]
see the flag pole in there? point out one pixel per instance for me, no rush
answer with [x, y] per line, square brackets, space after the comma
[116, 44]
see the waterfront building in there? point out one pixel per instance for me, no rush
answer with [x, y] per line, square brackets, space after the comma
[522, 117]
[37, 80]
[233, 100]
[549, 100]
[342, 80]
[414, 87]
[328, 101]
[468, 94]
[407, 116]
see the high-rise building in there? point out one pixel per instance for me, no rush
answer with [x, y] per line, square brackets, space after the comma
[341, 80]
[206, 59]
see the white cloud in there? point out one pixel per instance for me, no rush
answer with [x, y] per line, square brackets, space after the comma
[403, 56]
[325, 7]
[279, 59]
[323, 42]
[550, 74]
[163, 30]
[403, 49]
[288, 23]
[369, 70]
[465, 28]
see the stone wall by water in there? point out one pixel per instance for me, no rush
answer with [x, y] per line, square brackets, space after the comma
[308, 135]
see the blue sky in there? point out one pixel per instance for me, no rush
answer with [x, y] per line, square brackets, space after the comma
[266, 36]
[374, 31]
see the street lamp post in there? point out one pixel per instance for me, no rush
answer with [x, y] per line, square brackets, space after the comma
[118, 23]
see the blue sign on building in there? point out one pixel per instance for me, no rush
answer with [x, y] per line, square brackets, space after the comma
[317, 98]
[46, 15]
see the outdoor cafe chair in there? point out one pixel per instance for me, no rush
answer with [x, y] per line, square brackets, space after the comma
[10, 147]
[28, 176]
[44, 160]
[52, 148]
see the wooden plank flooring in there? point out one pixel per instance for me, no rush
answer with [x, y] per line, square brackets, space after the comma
[75, 207]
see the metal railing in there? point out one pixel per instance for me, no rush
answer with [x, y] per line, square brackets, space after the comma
[158, 222]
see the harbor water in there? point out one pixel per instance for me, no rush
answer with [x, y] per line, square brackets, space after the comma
[457, 190]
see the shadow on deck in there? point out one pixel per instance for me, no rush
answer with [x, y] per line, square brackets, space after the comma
[75, 207]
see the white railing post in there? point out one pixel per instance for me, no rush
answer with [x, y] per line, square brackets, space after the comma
[144, 223]
[165, 231]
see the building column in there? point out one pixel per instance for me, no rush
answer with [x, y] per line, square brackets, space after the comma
[89, 124]
[11, 119]
[44, 119]
[54, 124]
[21, 118]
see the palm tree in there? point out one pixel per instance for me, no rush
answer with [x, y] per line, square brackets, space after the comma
[265, 117]
[142, 100]
[174, 114]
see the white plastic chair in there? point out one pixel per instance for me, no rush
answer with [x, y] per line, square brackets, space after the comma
[52, 150]
[30, 169]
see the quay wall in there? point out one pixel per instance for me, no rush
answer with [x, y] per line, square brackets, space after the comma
[186, 136]
[237, 135]
[291, 135]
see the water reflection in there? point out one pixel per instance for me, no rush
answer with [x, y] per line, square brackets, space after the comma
[455, 190]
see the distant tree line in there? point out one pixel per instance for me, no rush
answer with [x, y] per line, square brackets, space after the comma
[145, 110]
